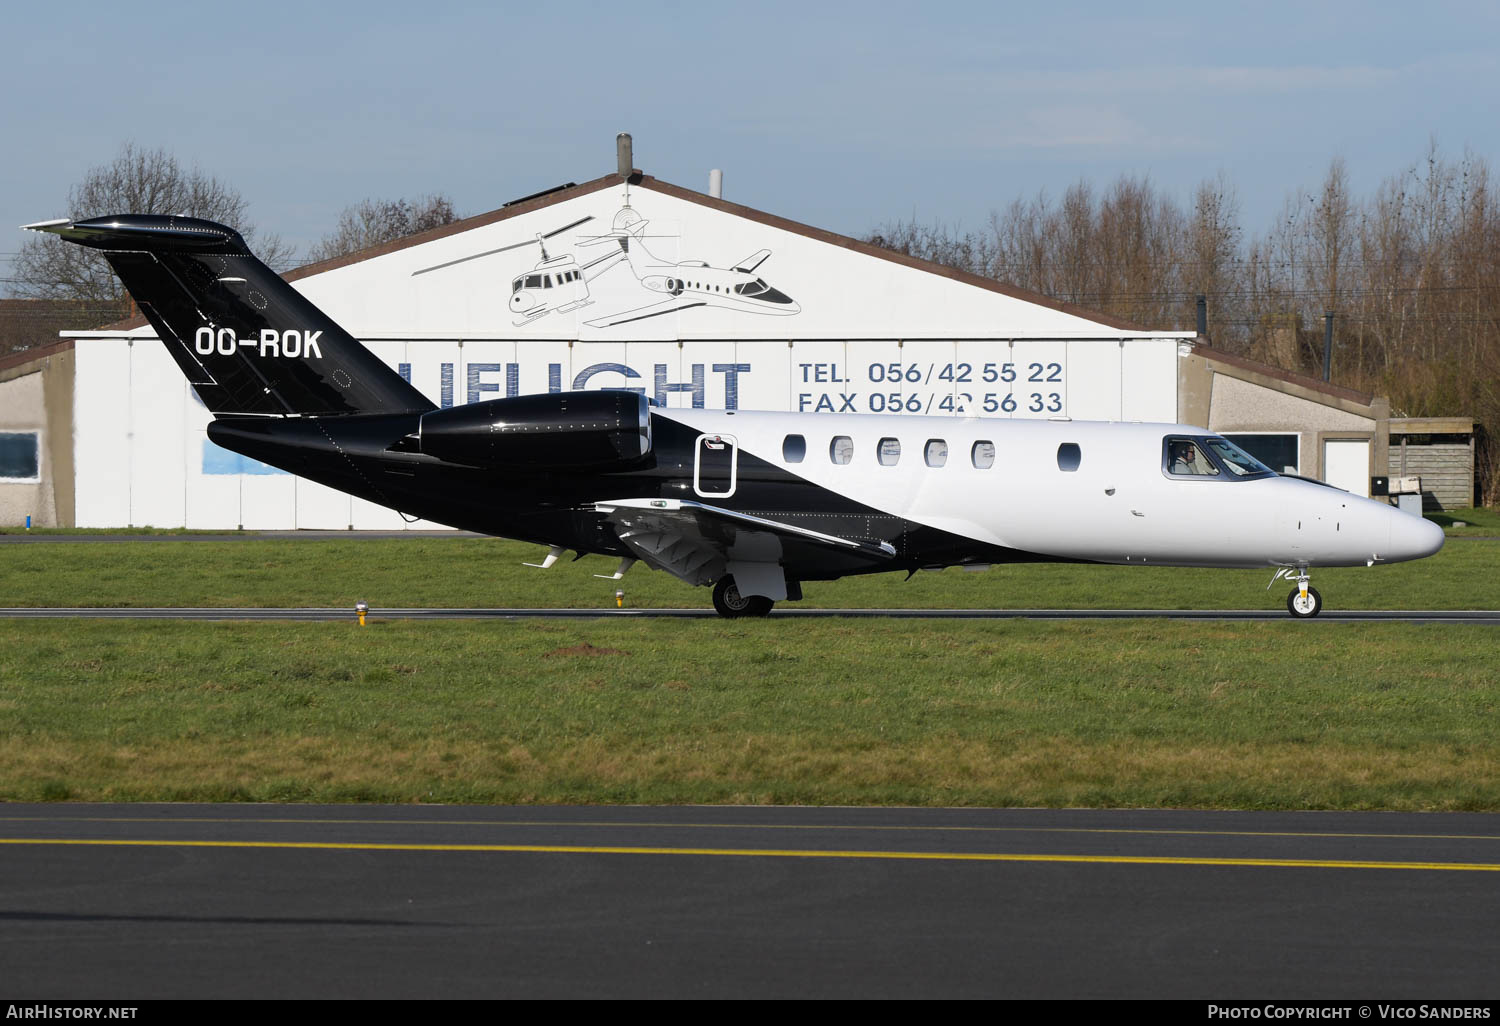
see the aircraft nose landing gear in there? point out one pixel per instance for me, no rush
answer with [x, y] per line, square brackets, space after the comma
[1304, 602]
[729, 602]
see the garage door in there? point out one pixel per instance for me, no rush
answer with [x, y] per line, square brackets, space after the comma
[1346, 464]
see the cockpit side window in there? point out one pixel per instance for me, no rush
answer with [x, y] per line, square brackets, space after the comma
[533, 281]
[1185, 458]
[1209, 458]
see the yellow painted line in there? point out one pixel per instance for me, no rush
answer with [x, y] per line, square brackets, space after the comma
[795, 853]
[873, 827]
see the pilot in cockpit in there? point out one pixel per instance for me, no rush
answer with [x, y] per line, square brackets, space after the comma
[1185, 460]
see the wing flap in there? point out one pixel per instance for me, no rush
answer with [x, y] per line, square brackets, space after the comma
[695, 541]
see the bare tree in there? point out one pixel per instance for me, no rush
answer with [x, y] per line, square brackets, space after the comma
[137, 181]
[373, 222]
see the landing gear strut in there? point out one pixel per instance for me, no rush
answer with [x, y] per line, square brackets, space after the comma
[730, 603]
[1304, 602]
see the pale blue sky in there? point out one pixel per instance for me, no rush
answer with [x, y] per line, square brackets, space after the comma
[842, 115]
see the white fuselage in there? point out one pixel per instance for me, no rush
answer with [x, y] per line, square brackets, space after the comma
[1120, 505]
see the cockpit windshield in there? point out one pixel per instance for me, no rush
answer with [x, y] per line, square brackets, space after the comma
[752, 288]
[1236, 460]
[1209, 457]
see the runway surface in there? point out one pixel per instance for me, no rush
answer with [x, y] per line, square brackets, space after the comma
[142, 901]
[1488, 617]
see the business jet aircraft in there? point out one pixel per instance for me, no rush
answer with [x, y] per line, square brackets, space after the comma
[753, 503]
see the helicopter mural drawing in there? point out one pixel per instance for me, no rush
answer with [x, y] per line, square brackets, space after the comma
[557, 284]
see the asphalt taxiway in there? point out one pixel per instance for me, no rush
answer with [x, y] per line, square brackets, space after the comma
[150, 901]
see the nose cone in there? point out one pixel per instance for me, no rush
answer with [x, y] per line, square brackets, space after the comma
[1413, 537]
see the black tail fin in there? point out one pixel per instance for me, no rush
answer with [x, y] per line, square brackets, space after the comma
[248, 342]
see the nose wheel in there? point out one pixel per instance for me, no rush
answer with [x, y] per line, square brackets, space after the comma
[728, 601]
[1304, 602]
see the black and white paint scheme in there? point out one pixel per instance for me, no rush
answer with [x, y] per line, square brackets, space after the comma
[754, 504]
[560, 284]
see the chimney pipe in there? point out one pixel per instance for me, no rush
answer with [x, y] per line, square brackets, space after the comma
[716, 183]
[624, 154]
[1202, 315]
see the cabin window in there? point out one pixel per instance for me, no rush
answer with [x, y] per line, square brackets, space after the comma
[546, 281]
[793, 449]
[936, 453]
[841, 449]
[1068, 456]
[982, 455]
[533, 281]
[20, 456]
[888, 452]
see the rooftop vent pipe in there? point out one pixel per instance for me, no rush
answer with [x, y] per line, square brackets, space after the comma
[624, 155]
[716, 183]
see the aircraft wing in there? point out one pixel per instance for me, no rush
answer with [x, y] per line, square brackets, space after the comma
[664, 306]
[754, 260]
[695, 541]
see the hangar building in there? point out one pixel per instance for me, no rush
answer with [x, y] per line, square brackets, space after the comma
[643, 285]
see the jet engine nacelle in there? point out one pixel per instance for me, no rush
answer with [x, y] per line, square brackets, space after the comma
[567, 430]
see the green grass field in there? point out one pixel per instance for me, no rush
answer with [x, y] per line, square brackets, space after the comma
[1146, 712]
[1281, 715]
[484, 572]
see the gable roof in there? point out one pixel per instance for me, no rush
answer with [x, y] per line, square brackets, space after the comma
[645, 181]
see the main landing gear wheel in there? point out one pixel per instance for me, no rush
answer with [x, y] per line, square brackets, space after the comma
[729, 602]
[1304, 608]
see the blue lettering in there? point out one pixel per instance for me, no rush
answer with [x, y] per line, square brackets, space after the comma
[581, 381]
[731, 372]
[445, 385]
[404, 369]
[476, 387]
[695, 386]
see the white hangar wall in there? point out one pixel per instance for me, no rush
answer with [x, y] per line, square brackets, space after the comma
[705, 305]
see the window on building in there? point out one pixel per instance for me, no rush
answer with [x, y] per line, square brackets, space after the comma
[1069, 456]
[888, 452]
[982, 455]
[936, 452]
[841, 449]
[20, 456]
[793, 449]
